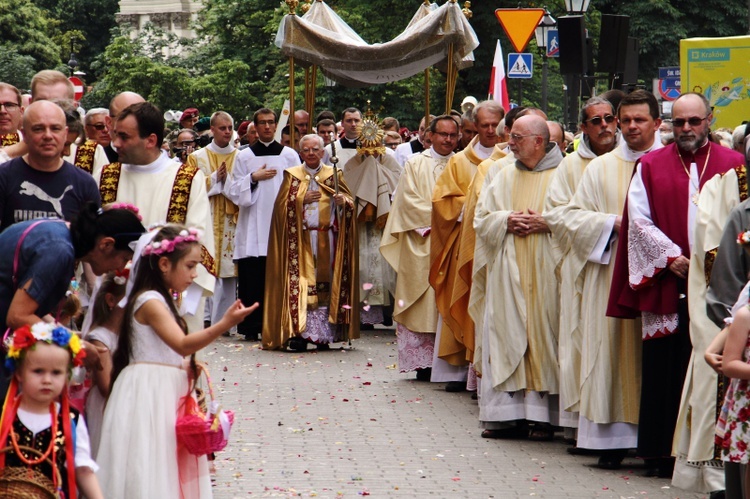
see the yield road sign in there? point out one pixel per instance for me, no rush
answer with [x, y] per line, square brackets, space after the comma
[520, 65]
[519, 25]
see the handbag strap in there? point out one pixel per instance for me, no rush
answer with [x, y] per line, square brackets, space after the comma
[16, 256]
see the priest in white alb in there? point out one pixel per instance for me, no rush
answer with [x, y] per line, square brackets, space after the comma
[518, 306]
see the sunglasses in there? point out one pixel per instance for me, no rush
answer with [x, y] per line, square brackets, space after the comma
[98, 126]
[694, 121]
[597, 120]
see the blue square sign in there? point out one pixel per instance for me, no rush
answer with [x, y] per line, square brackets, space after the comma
[553, 43]
[520, 65]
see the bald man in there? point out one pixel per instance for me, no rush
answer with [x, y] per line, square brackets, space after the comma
[515, 256]
[41, 183]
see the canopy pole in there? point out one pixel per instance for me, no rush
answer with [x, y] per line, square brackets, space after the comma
[313, 81]
[426, 97]
[291, 101]
[450, 81]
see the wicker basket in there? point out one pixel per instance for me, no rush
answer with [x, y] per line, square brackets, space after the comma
[27, 483]
[199, 431]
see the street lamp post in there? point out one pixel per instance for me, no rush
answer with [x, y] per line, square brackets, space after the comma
[547, 23]
[72, 63]
[573, 82]
[577, 7]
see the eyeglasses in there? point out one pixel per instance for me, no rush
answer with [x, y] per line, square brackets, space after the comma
[308, 150]
[186, 143]
[98, 126]
[597, 120]
[444, 135]
[694, 121]
[266, 122]
[518, 138]
[10, 106]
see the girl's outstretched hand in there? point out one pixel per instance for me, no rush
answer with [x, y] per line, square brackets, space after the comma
[237, 312]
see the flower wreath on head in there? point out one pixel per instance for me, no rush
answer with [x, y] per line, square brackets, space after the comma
[191, 235]
[743, 238]
[26, 337]
[124, 206]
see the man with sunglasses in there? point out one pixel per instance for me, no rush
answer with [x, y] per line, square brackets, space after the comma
[96, 126]
[650, 276]
[600, 136]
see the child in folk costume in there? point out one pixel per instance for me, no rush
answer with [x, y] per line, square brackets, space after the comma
[40, 417]
[105, 325]
[139, 454]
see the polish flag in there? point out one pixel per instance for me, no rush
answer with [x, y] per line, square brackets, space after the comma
[498, 83]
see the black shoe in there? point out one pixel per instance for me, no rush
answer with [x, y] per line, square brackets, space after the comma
[611, 459]
[424, 374]
[322, 347]
[519, 431]
[297, 344]
[475, 396]
[366, 327]
[251, 336]
[455, 386]
[388, 321]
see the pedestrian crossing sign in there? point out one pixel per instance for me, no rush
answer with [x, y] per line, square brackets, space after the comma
[520, 65]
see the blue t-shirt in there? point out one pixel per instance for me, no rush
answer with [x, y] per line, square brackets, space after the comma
[26, 193]
[46, 257]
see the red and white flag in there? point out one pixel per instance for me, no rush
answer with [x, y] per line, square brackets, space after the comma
[498, 80]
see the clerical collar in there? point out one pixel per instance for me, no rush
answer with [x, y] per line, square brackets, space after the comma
[483, 152]
[221, 150]
[267, 144]
[348, 143]
[157, 166]
[434, 154]
[631, 155]
[315, 171]
[267, 149]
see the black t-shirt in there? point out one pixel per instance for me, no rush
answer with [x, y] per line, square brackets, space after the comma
[26, 193]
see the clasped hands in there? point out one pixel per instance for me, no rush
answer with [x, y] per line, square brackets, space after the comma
[314, 197]
[523, 224]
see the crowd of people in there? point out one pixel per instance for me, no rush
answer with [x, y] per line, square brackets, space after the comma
[572, 282]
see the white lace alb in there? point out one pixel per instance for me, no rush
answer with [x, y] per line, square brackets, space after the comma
[649, 250]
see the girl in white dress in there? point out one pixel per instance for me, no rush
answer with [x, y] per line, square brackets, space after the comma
[105, 325]
[138, 454]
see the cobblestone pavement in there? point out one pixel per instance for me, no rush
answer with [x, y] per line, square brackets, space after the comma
[346, 423]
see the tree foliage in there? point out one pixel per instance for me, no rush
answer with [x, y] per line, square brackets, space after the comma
[87, 23]
[25, 28]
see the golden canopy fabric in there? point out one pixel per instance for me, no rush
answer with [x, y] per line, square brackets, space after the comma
[322, 38]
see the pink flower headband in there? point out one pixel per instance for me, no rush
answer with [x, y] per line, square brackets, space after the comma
[164, 246]
[126, 206]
